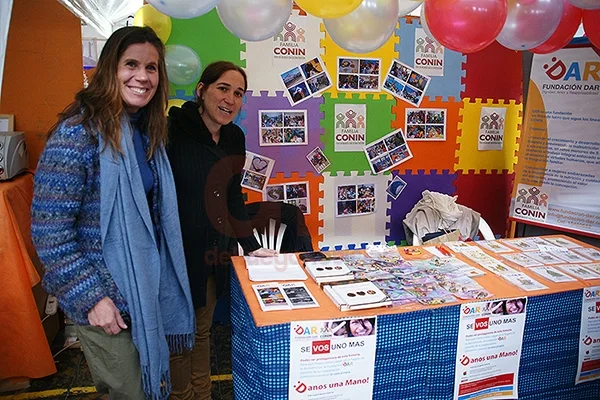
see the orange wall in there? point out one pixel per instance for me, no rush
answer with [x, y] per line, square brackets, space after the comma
[43, 68]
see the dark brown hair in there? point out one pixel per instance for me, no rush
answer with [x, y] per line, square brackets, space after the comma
[99, 107]
[213, 72]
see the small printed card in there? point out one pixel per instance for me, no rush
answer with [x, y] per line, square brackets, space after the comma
[524, 282]
[552, 274]
[275, 296]
[520, 244]
[358, 74]
[588, 252]
[578, 271]
[561, 242]
[494, 245]
[387, 152]
[458, 246]
[318, 160]
[571, 256]
[545, 257]
[405, 83]
[522, 259]
[395, 187]
[305, 80]
[257, 171]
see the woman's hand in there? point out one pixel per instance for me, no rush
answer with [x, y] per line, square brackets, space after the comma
[107, 316]
[262, 252]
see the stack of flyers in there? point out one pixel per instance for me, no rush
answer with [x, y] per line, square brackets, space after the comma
[579, 271]
[552, 274]
[522, 259]
[356, 295]
[523, 244]
[430, 294]
[458, 246]
[274, 296]
[465, 288]
[395, 292]
[494, 246]
[524, 282]
[588, 252]
[328, 270]
[571, 256]
[545, 257]
[557, 241]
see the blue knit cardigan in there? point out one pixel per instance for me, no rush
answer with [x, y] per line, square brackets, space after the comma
[65, 224]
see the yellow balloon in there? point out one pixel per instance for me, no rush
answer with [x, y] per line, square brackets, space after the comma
[150, 16]
[174, 102]
[329, 8]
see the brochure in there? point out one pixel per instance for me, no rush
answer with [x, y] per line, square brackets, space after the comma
[287, 296]
[356, 295]
[552, 274]
[328, 270]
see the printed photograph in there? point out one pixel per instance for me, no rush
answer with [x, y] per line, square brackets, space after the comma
[298, 93]
[376, 150]
[405, 83]
[318, 83]
[271, 136]
[292, 77]
[294, 118]
[395, 187]
[259, 164]
[415, 116]
[271, 119]
[295, 193]
[415, 132]
[436, 116]
[366, 190]
[365, 206]
[318, 160]
[393, 85]
[347, 192]
[394, 140]
[435, 132]
[346, 208]
[294, 135]
[417, 80]
[399, 154]
[275, 193]
[400, 71]
[411, 95]
[296, 190]
[382, 163]
[254, 181]
[358, 74]
[312, 68]
[426, 124]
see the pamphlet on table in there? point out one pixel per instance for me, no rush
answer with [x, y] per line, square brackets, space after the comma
[588, 366]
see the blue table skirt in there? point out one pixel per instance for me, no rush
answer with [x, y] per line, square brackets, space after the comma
[416, 352]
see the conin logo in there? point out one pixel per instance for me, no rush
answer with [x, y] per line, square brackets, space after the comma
[559, 70]
[290, 42]
[531, 203]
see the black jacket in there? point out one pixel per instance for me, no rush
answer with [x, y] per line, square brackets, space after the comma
[209, 196]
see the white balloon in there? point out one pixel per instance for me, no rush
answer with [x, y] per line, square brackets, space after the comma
[254, 20]
[365, 29]
[183, 9]
[183, 64]
[586, 4]
[406, 6]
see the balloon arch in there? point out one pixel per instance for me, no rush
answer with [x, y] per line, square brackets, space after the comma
[362, 26]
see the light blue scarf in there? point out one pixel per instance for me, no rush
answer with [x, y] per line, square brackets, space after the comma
[152, 278]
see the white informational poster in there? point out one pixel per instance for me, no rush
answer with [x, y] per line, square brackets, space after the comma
[588, 367]
[557, 177]
[429, 54]
[490, 337]
[491, 128]
[332, 359]
[350, 127]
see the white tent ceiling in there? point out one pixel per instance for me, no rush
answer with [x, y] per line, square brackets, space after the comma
[102, 15]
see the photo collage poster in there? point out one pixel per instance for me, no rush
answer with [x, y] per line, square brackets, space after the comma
[295, 193]
[425, 124]
[256, 172]
[387, 152]
[405, 83]
[358, 74]
[305, 80]
[356, 199]
[282, 127]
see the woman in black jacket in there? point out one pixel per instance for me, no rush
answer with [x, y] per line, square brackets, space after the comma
[207, 153]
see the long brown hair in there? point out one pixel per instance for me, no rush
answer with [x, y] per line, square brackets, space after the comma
[213, 72]
[99, 107]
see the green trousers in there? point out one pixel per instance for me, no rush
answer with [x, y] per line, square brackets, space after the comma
[114, 363]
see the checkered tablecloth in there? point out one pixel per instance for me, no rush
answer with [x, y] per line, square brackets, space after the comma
[416, 353]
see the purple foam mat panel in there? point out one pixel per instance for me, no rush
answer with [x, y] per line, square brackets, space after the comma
[289, 157]
[415, 185]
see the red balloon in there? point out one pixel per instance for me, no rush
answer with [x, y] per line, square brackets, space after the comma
[569, 23]
[466, 26]
[591, 26]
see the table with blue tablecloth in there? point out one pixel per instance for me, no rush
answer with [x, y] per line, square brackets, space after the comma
[416, 345]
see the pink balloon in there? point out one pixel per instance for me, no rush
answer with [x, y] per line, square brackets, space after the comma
[591, 26]
[569, 23]
[466, 26]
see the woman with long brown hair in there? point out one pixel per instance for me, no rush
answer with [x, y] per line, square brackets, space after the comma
[105, 222]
